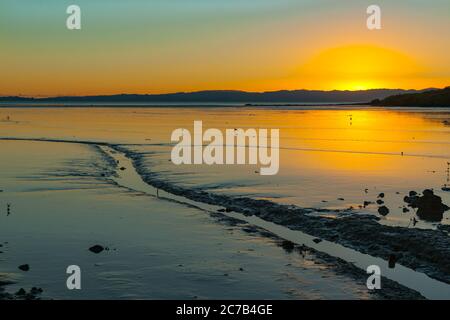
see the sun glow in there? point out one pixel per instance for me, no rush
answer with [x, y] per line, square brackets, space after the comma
[360, 67]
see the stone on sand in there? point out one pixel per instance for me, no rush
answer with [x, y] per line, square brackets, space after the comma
[24, 267]
[383, 210]
[97, 248]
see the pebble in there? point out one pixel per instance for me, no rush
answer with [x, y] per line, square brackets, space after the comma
[24, 267]
[383, 210]
[96, 249]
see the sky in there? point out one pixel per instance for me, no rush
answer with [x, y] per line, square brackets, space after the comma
[161, 46]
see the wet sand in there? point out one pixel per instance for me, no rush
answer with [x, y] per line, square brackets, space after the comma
[158, 249]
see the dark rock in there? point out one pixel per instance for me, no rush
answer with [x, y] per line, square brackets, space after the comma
[379, 201]
[392, 261]
[341, 199]
[21, 292]
[96, 249]
[366, 203]
[410, 199]
[405, 210]
[123, 168]
[412, 193]
[35, 290]
[429, 206]
[287, 245]
[24, 267]
[381, 195]
[383, 210]
[317, 240]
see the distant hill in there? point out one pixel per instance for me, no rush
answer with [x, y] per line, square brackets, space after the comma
[226, 96]
[431, 98]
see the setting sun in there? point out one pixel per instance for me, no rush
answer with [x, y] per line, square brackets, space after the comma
[360, 67]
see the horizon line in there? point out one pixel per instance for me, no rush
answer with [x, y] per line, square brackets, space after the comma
[208, 90]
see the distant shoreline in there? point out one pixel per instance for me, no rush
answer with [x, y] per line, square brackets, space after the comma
[4, 105]
[170, 105]
[222, 97]
[233, 98]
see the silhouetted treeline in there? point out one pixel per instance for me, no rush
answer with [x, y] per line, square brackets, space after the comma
[431, 98]
[225, 96]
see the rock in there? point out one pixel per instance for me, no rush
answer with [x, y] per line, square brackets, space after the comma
[35, 290]
[341, 199]
[429, 206]
[392, 261]
[383, 210]
[412, 193]
[21, 292]
[96, 249]
[379, 201]
[287, 245]
[410, 199]
[317, 240]
[366, 203]
[24, 267]
[381, 195]
[405, 210]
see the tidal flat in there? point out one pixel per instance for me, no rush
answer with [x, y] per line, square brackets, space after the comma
[66, 194]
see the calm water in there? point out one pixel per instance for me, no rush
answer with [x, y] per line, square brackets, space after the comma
[158, 249]
[325, 154]
[61, 205]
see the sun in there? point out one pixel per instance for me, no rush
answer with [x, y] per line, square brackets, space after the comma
[356, 85]
[359, 67]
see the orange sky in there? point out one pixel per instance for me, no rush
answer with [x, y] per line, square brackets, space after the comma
[157, 47]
